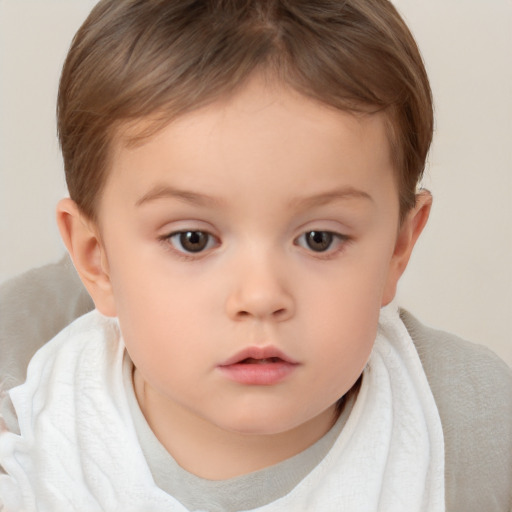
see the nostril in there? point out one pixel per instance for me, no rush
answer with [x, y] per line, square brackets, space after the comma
[277, 314]
[270, 306]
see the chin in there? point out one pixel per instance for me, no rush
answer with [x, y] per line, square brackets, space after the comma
[267, 423]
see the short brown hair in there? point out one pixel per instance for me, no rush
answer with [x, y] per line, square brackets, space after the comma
[136, 59]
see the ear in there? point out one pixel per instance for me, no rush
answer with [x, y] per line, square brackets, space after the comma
[83, 242]
[409, 232]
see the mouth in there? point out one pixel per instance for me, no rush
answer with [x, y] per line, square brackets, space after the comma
[259, 355]
[258, 366]
[266, 360]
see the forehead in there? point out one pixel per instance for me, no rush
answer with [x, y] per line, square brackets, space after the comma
[264, 126]
[252, 99]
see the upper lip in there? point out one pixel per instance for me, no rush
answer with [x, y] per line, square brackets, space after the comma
[267, 352]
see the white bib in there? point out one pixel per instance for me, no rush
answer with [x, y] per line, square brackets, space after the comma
[78, 449]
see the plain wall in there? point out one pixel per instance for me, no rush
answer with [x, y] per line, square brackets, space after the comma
[460, 277]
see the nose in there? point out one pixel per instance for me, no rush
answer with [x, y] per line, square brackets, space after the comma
[259, 291]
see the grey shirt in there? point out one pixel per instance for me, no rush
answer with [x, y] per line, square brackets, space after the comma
[472, 388]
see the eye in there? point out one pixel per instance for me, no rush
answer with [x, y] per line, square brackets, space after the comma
[191, 241]
[320, 241]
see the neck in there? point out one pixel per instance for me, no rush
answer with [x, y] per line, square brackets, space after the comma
[211, 452]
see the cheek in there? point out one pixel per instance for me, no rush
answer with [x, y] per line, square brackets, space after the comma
[159, 315]
[165, 344]
[348, 328]
[342, 315]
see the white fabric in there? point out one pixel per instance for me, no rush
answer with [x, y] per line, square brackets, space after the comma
[78, 449]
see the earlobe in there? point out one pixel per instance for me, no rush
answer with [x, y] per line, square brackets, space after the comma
[409, 232]
[83, 242]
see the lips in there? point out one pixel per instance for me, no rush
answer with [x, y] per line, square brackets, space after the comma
[258, 354]
[251, 360]
[258, 366]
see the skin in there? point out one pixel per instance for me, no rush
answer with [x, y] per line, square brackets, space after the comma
[255, 173]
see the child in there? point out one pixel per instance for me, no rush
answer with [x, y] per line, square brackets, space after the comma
[243, 203]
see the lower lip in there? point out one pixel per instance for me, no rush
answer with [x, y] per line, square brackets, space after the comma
[258, 374]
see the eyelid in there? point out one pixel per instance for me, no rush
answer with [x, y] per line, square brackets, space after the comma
[168, 240]
[340, 241]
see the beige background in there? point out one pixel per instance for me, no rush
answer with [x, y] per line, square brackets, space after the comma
[460, 278]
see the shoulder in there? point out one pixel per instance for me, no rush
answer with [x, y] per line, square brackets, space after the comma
[472, 388]
[34, 307]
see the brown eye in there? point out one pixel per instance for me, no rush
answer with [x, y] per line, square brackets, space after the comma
[319, 241]
[191, 241]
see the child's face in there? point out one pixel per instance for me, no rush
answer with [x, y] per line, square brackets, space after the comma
[265, 227]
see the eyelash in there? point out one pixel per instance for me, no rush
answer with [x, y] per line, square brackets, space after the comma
[176, 237]
[169, 239]
[337, 240]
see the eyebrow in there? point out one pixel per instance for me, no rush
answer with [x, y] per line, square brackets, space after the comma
[330, 197]
[168, 192]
